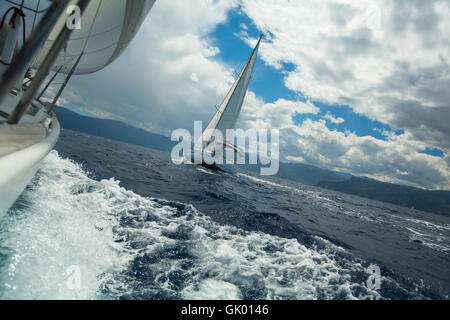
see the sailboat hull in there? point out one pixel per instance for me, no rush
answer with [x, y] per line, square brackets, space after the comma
[22, 148]
[223, 166]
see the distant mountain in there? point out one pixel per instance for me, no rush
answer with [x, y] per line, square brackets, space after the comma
[112, 129]
[425, 200]
[431, 201]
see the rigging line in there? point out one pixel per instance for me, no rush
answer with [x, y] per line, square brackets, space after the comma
[99, 33]
[92, 25]
[213, 115]
[235, 84]
[93, 35]
[35, 15]
[50, 82]
[211, 118]
[27, 8]
[218, 109]
[90, 52]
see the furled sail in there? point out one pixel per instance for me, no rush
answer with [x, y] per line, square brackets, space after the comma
[228, 113]
[107, 27]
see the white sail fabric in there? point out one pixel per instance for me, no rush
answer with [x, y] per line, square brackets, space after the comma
[228, 113]
[107, 27]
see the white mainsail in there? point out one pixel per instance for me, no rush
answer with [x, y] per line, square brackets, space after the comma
[228, 113]
[107, 27]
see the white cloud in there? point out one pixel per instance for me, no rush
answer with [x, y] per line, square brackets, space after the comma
[258, 114]
[194, 77]
[387, 60]
[244, 26]
[396, 159]
[333, 119]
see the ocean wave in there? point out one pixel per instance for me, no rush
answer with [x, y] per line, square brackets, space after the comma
[71, 237]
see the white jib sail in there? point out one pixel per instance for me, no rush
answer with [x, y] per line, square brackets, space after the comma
[107, 27]
[228, 113]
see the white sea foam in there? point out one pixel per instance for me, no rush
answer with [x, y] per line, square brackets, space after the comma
[211, 172]
[432, 241]
[211, 289]
[67, 222]
[429, 224]
[55, 230]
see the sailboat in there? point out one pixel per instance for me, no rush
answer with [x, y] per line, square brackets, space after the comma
[58, 42]
[225, 118]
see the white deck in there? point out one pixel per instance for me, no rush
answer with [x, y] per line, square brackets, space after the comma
[17, 137]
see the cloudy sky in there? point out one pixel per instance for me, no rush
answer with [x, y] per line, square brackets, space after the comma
[362, 87]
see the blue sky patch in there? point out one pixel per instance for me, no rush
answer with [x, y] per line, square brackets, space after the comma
[268, 82]
[433, 152]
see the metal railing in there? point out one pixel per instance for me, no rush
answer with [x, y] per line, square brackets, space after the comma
[27, 53]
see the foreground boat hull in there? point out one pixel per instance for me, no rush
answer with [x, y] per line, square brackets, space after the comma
[17, 168]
